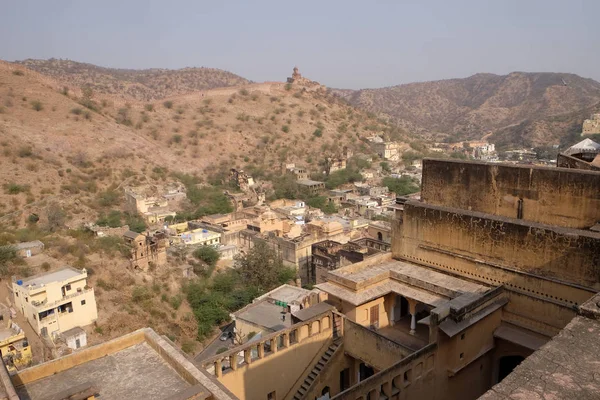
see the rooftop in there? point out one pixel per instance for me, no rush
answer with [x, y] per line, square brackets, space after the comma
[359, 283]
[61, 275]
[266, 314]
[287, 294]
[140, 365]
[309, 182]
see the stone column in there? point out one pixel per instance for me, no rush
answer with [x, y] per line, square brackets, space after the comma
[248, 356]
[412, 308]
[218, 371]
[286, 340]
[274, 345]
[233, 361]
[261, 350]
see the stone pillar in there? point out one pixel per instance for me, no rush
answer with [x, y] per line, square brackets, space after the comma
[261, 350]
[218, 371]
[233, 361]
[274, 345]
[248, 356]
[286, 340]
[412, 308]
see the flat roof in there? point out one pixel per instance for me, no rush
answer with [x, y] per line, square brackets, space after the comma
[136, 366]
[60, 275]
[265, 314]
[309, 182]
[287, 293]
[312, 311]
[376, 291]
[135, 373]
[410, 270]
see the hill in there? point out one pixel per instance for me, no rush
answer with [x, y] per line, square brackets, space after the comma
[144, 85]
[66, 153]
[507, 106]
[55, 137]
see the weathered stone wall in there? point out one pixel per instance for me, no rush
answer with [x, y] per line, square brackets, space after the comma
[554, 196]
[565, 161]
[371, 347]
[547, 272]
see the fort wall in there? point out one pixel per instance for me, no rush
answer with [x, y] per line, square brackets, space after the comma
[548, 195]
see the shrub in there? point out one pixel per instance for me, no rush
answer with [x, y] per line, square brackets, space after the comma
[207, 254]
[176, 138]
[149, 107]
[188, 346]
[45, 266]
[288, 86]
[25, 151]
[168, 104]
[18, 72]
[244, 92]
[108, 198]
[101, 283]
[13, 188]
[220, 350]
[285, 128]
[176, 301]
[318, 132]
[77, 111]
[141, 293]
[33, 218]
[37, 105]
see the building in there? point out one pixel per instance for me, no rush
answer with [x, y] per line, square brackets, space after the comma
[240, 179]
[300, 173]
[14, 346]
[272, 311]
[312, 187]
[329, 255]
[591, 126]
[137, 366]
[152, 203]
[200, 237]
[380, 230]
[583, 155]
[491, 264]
[28, 249]
[146, 250]
[57, 301]
[385, 150]
[75, 338]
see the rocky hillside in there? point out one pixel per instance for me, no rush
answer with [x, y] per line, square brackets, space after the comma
[508, 106]
[145, 85]
[57, 142]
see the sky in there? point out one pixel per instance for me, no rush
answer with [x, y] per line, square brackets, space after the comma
[342, 44]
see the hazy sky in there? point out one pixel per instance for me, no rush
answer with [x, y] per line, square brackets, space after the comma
[344, 44]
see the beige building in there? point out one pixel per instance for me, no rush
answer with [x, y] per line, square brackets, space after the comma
[474, 286]
[592, 125]
[57, 301]
[146, 250]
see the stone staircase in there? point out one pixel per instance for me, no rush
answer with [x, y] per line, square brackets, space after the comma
[310, 378]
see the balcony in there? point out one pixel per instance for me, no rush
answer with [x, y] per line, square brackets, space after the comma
[44, 305]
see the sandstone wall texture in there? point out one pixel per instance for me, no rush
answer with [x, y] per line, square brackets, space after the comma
[554, 196]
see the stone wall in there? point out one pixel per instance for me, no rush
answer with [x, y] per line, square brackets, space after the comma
[554, 196]
[565, 161]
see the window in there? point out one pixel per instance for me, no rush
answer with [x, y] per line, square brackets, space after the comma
[83, 302]
[271, 396]
[462, 355]
[68, 287]
[26, 299]
[462, 336]
[17, 294]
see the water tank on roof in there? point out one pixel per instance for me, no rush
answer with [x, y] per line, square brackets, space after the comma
[204, 231]
[20, 282]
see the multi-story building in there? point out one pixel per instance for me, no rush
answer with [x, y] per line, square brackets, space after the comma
[485, 270]
[57, 301]
[146, 250]
[14, 346]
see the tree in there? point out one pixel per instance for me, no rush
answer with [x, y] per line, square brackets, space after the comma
[207, 254]
[401, 186]
[262, 267]
[56, 217]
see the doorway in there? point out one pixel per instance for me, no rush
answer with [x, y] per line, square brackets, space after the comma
[506, 365]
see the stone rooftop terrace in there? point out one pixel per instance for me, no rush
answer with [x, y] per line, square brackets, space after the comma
[136, 372]
[395, 268]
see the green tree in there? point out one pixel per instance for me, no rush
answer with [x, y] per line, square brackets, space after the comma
[262, 267]
[207, 254]
[401, 186]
